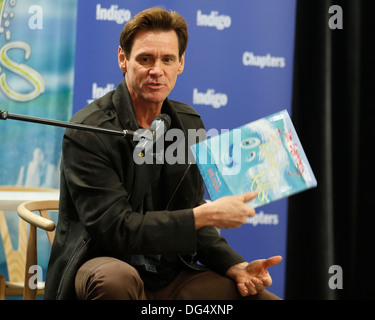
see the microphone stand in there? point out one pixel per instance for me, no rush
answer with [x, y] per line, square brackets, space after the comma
[4, 115]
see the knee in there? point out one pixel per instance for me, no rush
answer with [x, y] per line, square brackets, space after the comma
[110, 279]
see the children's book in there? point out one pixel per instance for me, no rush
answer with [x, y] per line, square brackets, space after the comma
[265, 155]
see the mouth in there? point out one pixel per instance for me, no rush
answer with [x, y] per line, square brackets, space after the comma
[155, 85]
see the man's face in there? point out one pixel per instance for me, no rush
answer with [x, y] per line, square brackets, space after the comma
[153, 66]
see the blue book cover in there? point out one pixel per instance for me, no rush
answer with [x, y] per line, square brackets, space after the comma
[265, 155]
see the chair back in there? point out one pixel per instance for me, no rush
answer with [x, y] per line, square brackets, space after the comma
[16, 258]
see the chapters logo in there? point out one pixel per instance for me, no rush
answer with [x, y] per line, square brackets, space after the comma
[249, 59]
[262, 218]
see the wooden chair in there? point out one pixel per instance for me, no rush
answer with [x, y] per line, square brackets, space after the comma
[16, 260]
[25, 211]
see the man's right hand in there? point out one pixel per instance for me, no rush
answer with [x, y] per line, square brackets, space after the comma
[225, 213]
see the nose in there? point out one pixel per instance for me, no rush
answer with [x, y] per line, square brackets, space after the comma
[156, 70]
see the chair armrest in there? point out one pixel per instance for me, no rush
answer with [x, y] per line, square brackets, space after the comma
[35, 219]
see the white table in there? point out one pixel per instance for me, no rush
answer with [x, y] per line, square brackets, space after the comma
[10, 200]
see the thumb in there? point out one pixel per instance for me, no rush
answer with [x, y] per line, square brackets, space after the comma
[270, 262]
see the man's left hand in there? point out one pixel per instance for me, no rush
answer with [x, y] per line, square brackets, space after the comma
[253, 277]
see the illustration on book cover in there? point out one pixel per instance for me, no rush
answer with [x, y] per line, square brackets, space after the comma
[264, 155]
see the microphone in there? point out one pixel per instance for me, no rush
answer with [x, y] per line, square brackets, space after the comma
[149, 137]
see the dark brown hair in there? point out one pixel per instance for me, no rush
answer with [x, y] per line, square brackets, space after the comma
[154, 19]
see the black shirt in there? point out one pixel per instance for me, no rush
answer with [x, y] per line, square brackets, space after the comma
[156, 271]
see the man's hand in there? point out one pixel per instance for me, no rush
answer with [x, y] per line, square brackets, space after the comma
[253, 277]
[226, 212]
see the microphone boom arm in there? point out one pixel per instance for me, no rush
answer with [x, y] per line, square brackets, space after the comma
[4, 115]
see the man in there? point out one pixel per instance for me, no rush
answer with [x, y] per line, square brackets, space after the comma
[137, 231]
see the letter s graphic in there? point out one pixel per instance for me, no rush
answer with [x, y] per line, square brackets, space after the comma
[24, 71]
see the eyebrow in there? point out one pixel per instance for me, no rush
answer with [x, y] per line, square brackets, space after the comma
[145, 54]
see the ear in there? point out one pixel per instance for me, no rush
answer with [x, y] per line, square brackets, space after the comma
[122, 62]
[181, 64]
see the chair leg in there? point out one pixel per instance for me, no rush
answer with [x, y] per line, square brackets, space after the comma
[2, 287]
[29, 290]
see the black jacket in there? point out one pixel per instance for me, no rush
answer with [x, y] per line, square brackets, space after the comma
[102, 188]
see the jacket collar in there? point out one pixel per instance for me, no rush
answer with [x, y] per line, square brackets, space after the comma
[124, 107]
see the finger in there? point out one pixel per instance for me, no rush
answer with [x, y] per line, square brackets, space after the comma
[251, 212]
[259, 286]
[251, 288]
[270, 262]
[267, 280]
[248, 196]
[242, 289]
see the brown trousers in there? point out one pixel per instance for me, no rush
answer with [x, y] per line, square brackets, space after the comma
[108, 278]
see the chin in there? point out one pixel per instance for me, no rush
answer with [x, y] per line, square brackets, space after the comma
[156, 98]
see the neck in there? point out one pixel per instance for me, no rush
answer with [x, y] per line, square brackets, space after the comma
[145, 111]
[145, 115]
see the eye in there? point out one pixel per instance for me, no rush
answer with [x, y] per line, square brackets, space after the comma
[144, 60]
[251, 156]
[169, 59]
[249, 143]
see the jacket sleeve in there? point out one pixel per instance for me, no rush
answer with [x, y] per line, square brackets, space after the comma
[213, 250]
[95, 182]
